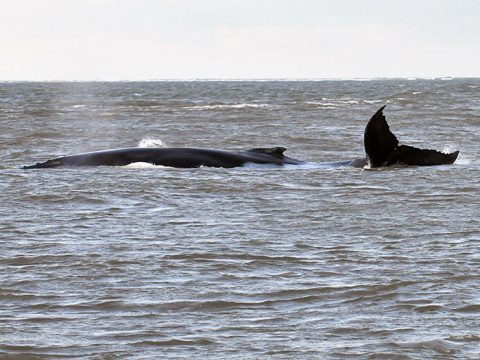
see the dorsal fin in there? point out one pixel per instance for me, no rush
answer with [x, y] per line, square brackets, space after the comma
[274, 151]
[380, 143]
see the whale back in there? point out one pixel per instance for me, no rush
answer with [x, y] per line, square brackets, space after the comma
[276, 152]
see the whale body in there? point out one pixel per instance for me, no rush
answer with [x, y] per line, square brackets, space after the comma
[174, 157]
[381, 146]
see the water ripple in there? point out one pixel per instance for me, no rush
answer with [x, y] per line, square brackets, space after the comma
[303, 262]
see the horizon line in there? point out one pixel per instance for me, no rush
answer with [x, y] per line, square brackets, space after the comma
[408, 78]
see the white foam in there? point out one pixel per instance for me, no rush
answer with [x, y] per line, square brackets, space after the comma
[226, 106]
[151, 143]
[447, 149]
[326, 103]
[141, 165]
[462, 159]
[304, 166]
[321, 103]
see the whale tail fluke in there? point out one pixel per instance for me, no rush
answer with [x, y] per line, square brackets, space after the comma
[382, 148]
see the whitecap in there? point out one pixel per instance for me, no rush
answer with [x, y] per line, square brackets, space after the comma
[151, 143]
[226, 106]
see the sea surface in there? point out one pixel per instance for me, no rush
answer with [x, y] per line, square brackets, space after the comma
[308, 262]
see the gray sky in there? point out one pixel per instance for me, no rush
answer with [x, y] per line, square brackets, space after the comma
[232, 39]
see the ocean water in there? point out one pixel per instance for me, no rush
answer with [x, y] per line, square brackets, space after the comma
[145, 262]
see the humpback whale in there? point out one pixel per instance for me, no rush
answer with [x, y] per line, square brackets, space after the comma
[381, 146]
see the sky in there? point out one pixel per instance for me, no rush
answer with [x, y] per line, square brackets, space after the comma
[237, 39]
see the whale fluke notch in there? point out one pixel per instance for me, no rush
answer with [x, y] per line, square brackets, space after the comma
[275, 151]
[382, 148]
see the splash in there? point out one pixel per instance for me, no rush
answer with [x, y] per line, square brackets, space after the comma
[464, 159]
[448, 149]
[151, 143]
[140, 165]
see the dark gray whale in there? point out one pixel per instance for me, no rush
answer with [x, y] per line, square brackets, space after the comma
[174, 157]
[381, 147]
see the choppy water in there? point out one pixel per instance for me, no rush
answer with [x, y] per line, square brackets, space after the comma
[140, 263]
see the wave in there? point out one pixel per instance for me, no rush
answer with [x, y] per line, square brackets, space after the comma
[227, 106]
[328, 103]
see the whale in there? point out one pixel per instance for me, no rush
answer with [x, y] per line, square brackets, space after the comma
[381, 147]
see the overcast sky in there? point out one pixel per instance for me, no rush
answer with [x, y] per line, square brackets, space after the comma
[237, 39]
